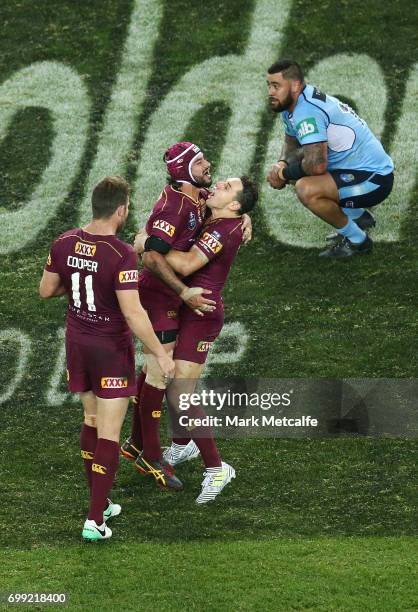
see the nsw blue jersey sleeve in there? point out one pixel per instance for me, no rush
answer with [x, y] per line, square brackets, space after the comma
[311, 124]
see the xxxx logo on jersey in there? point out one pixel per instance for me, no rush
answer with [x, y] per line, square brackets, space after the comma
[211, 242]
[164, 226]
[109, 382]
[100, 469]
[203, 346]
[86, 454]
[128, 276]
[85, 249]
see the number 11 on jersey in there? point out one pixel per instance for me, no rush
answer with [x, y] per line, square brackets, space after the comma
[88, 282]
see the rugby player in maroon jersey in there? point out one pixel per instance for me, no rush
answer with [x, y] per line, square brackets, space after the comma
[175, 222]
[99, 274]
[207, 265]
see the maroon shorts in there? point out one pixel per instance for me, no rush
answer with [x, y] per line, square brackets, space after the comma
[108, 370]
[197, 334]
[162, 308]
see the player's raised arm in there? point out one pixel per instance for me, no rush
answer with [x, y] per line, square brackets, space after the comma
[138, 321]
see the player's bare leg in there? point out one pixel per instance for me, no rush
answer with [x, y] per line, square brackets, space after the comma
[150, 461]
[320, 195]
[109, 419]
[217, 473]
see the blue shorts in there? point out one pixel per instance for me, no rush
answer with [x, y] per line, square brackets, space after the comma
[360, 188]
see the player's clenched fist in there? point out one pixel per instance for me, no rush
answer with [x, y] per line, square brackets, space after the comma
[273, 176]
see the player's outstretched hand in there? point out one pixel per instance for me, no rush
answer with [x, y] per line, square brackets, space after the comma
[193, 297]
[247, 228]
[273, 178]
[167, 365]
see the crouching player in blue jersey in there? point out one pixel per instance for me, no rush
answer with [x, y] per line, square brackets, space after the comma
[339, 167]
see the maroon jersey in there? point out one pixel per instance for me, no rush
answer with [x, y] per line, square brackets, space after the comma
[219, 240]
[92, 268]
[176, 218]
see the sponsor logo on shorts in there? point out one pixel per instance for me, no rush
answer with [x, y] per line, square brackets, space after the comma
[128, 276]
[100, 469]
[108, 382]
[203, 346]
[347, 178]
[307, 127]
[85, 249]
[211, 242]
[156, 414]
[86, 455]
[164, 226]
[172, 314]
[192, 221]
[49, 260]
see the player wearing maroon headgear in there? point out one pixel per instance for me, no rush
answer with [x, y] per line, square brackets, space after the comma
[99, 274]
[175, 221]
[207, 264]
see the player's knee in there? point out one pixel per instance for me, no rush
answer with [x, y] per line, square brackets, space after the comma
[305, 191]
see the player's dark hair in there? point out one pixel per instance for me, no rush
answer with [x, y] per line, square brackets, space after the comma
[248, 196]
[110, 193]
[289, 69]
[173, 183]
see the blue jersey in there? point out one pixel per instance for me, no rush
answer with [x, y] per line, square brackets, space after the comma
[351, 144]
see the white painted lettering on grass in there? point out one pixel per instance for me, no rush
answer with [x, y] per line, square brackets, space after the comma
[405, 156]
[54, 395]
[59, 89]
[237, 81]
[235, 337]
[125, 106]
[16, 348]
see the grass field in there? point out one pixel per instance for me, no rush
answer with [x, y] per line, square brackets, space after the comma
[308, 524]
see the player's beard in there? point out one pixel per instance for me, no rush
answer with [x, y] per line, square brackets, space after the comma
[203, 181]
[282, 106]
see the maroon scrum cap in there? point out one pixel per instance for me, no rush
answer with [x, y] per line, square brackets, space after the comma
[179, 159]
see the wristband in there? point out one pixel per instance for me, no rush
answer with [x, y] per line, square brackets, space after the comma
[154, 243]
[294, 172]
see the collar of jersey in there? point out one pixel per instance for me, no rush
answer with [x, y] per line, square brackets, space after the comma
[195, 202]
[298, 100]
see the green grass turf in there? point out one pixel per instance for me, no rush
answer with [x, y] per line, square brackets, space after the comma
[310, 574]
[293, 501]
